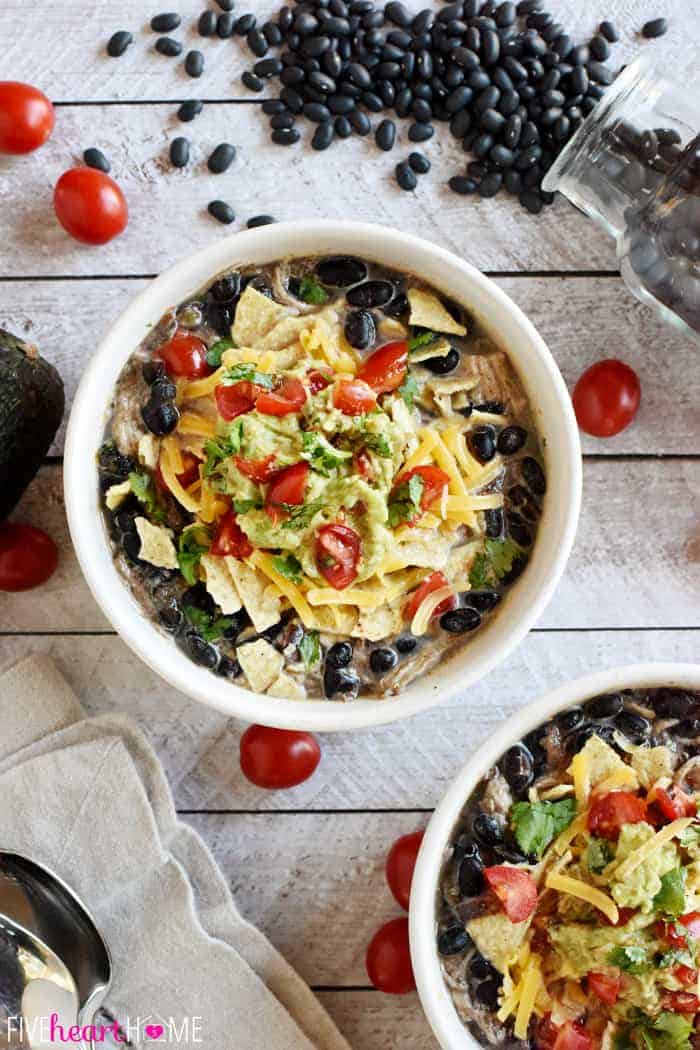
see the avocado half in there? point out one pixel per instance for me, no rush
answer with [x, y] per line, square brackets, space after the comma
[31, 409]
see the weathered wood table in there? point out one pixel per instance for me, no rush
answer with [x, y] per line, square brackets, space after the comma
[307, 865]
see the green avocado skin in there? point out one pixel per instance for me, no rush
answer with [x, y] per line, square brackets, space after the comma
[31, 410]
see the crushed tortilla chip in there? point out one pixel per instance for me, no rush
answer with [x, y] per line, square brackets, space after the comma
[149, 451]
[286, 687]
[157, 547]
[256, 315]
[261, 664]
[428, 312]
[379, 624]
[263, 607]
[220, 584]
[116, 494]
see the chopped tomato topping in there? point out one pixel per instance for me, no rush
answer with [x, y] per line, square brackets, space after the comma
[685, 974]
[546, 1033]
[680, 1002]
[353, 397]
[623, 917]
[434, 483]
[605, 986]
[287, 398]
[572, 1036]
[288, 487]
[337, 554]
[385, 369]
[430, 583]
[515, 888]
[684, 929]
[186, 477]
[610, 811]
[230, 539]
[363, 465]
[184, 355]
[235, 399]
[672, 803]
[317, 381]
[259, 470]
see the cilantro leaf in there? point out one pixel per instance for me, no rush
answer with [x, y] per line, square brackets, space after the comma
[246, 373]
[216, 350]
[301, 517]
[419, 339]
[670, 900]
[502, 554]
[668, 1031]
[310, 649]
[145, 491]
[480, 575]
[242, 506]
[405, 501]
[319, 452]
[379, 444]
[222, 447]
[598, 855]
[192, 544]
[209, 627]
[675, 957]
[408, 389]
[311, 291]
[631, 958]
[289, 566]
[536, 824]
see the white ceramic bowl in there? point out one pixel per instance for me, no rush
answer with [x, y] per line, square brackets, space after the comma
[435, 997]
[457, 279]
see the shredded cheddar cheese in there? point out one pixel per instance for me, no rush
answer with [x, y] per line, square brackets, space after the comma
[584, 892]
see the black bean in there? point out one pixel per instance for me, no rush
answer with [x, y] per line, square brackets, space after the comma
[482, 439]
[490, 47]
[290, 99]
[165, 23]
[398, 306]
[371, 294]
[609, 31]
[483, 601]
[118, 43]
[636, 727]
[518, 768]
[244, 24]
[600, 73]
[226, 5]
[317, 112]
[605, 732]
[511, 440]
[672, 703]
[494, 523]
[655, 28]
[383, 660]
[453, 940]
[339, 655]
[471, 876]
[360, 122]
[480, 969]
[501, 156]
[222, 212]
[343, 127]
[512, 181]
[267, 67]
[599, 47]
[343, 681]
[488, 992]
[341, 271]
[418, 132]
[179, 152]
[419, 162]
[442, 366]
[260, 220]
[228, 668]
[201, 652]
[282, 120]
[360, 329]
[688, 728]
[257, 42]
[458, 621]
[570, 719]
[488, 830]
[95, 158]
[490, 186]
[165, 45]
[152, 370]
[319, 81]
[161, 417]
[323, 136]
[206, 26]
[222, 158]
[252, 82]
[534, 476]
[482, 144]
[189, 110]
[405, 644]
[272, 34]
[194, 63]
[492, 120]
[385, 135]
[607, 705]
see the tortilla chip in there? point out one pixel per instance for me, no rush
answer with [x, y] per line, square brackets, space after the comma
[459, 562]
[149, 450]
[450, 386]
[425, 549]
[157, 547]
[287, 687]
[428, 312]
[116, 494]
[220, 584]
[379, 624]
[255, 316]
[253, 588]
[333, 619]
[438, 348]
[261, 664]
[283, 334]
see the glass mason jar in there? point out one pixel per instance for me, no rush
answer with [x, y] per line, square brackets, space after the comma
[634, 167]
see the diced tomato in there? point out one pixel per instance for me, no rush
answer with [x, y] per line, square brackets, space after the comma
[259, 470]
[623, 917]
[515, 888]
[434, 482]
[317, 381]
[573, 1036]
[685, 974]
[680, 1002]
[673, 803]
[286, 399]
[230, 539]
[605, 986]
[680, 932]
[287, 486]
[363, 465]
[353, 397]
[546, 1033]
[184, 355]
[385, 369]
[610, 811]
[235, 399]
[430, 583]
[337, 554]
[188, 475]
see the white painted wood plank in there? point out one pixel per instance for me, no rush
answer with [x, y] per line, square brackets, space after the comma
[404, 766]
[581, 318]
[61, 46]
[372, 1021]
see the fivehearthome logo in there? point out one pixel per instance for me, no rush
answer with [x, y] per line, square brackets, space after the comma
[52, 1031]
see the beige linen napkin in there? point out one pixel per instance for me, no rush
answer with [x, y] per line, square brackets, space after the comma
[88, 798]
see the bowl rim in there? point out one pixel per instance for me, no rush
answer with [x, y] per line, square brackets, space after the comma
[88, 415]
[436, 1001]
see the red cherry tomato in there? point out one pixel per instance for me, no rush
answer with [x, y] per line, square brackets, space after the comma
[90, 206]
[288, 398]
[317, 381]
[385, 369]
[515, 889]
[259, 470]
[188, 475]
[573, 1036]
[610, 811]
[287, 486]
[605, 986]
[184, 356]
[400, 862]
[234, 400]
[229, 539]
[679, 938]
[27, 557]
[26, 117]
[680, 1002]
[686, 974]
[606, 398]
[388, 959]
[353, 397]
[673, 803]
[430, 583]
[434, 482]
[337, 554]
[278, 758]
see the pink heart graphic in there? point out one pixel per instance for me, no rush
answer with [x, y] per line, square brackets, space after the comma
[154, 1031]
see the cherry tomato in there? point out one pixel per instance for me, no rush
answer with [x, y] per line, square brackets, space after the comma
[680, 1002]
[353, 397]
[287, 486]
[430, 583]
[278, 758]
[229, 539]
[673, 803]
[288, 398]
[434, 482]
[606, 398]
[679, 938]
[234, 400]
[26, 117]
[337, 554]
[515, 888]
[317, 381]
[388, 959]
[400, 862]
[90, 206]
[188, 475]
[385, 369]
[184, 356]
[605, 986]
[259, 470]
[573, 1036]
[610, 811]
[27, 557]
[685, 974]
